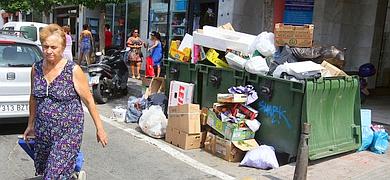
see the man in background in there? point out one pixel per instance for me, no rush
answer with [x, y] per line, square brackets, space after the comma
[108, 37]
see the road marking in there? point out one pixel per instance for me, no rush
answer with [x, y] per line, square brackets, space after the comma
[166, 148]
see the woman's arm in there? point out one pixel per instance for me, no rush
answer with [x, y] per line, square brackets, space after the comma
[155, 43]
[82, 88]
[32, 109]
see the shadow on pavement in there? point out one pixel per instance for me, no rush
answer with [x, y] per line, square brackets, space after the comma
[17, 127]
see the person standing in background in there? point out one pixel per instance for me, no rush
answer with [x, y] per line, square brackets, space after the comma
[85, 44]
[108, 37]
[156, 50]
[135, 55]
[68, 49]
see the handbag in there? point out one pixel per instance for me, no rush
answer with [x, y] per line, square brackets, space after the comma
[149, 70]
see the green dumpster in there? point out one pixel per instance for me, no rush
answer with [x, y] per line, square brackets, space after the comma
[217, 80]
[330, 105]
[184, 72]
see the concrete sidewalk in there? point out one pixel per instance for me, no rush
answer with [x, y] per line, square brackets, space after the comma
[353, 165]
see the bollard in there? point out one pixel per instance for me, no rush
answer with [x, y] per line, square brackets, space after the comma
[300, 172]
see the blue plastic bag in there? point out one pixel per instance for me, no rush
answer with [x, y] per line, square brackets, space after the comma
[380, 142]
[367, 138]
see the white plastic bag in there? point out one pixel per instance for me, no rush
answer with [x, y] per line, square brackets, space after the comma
[153, 122]
[257, 65]
[264, 43]
[262, 157]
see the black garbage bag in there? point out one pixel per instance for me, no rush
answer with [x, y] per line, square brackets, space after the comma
[319, 54]
[306, 54]
[283, 54]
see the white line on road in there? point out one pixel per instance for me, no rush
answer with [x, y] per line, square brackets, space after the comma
[166, 148]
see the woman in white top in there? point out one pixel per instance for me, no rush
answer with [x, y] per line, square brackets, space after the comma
[68, 49]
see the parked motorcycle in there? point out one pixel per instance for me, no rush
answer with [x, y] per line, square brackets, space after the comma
[108, 76]
[365, 70]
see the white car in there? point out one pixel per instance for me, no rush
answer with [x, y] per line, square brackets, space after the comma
[16, 58]
[31, 29]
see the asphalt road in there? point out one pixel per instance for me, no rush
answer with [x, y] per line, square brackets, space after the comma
[125, 157]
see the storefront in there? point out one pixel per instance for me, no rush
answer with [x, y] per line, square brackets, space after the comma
[123, 18]
[174, 18]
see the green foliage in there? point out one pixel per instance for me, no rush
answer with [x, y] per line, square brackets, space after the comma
[15, 5]
[25, 5]
[94, 3]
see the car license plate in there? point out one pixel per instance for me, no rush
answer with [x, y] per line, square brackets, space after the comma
[13, 108]
[94, 80]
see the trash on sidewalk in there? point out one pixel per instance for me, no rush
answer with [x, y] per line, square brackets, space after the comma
[262, 157]
[153, 122]
[184, 126]
[248, 90]
[157, 85]
[180, 93]
[230, 130]
[232, 151]
[134, 109]
[380, 142]
[367, 132]
[119, 113]
[232, 98]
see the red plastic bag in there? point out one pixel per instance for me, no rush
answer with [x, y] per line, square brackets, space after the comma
[149, 70]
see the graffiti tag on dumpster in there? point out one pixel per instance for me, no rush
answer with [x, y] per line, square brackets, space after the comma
[276, 113]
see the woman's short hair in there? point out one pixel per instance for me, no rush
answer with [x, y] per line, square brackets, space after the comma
[52, 29]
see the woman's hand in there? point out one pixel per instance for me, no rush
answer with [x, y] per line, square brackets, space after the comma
[29, 132]
[102, 137]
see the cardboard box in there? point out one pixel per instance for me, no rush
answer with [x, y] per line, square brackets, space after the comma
[331, 70]
[180, 93]
[146, 81]
[183, 140]
[232, 151]
[184, 108]
[209, 143]
[186, 122]
[232, 98]
[231, 131]
[185, 117]
[295, 36]
[203, 116]
[157, 85]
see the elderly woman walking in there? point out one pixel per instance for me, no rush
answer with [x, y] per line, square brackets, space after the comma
[56, 116]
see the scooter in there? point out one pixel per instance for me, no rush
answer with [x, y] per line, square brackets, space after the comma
[108, 76]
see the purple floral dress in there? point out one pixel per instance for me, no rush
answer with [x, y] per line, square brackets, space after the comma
[59, 123]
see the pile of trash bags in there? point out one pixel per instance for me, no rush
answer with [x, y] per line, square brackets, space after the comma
[149, 114]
